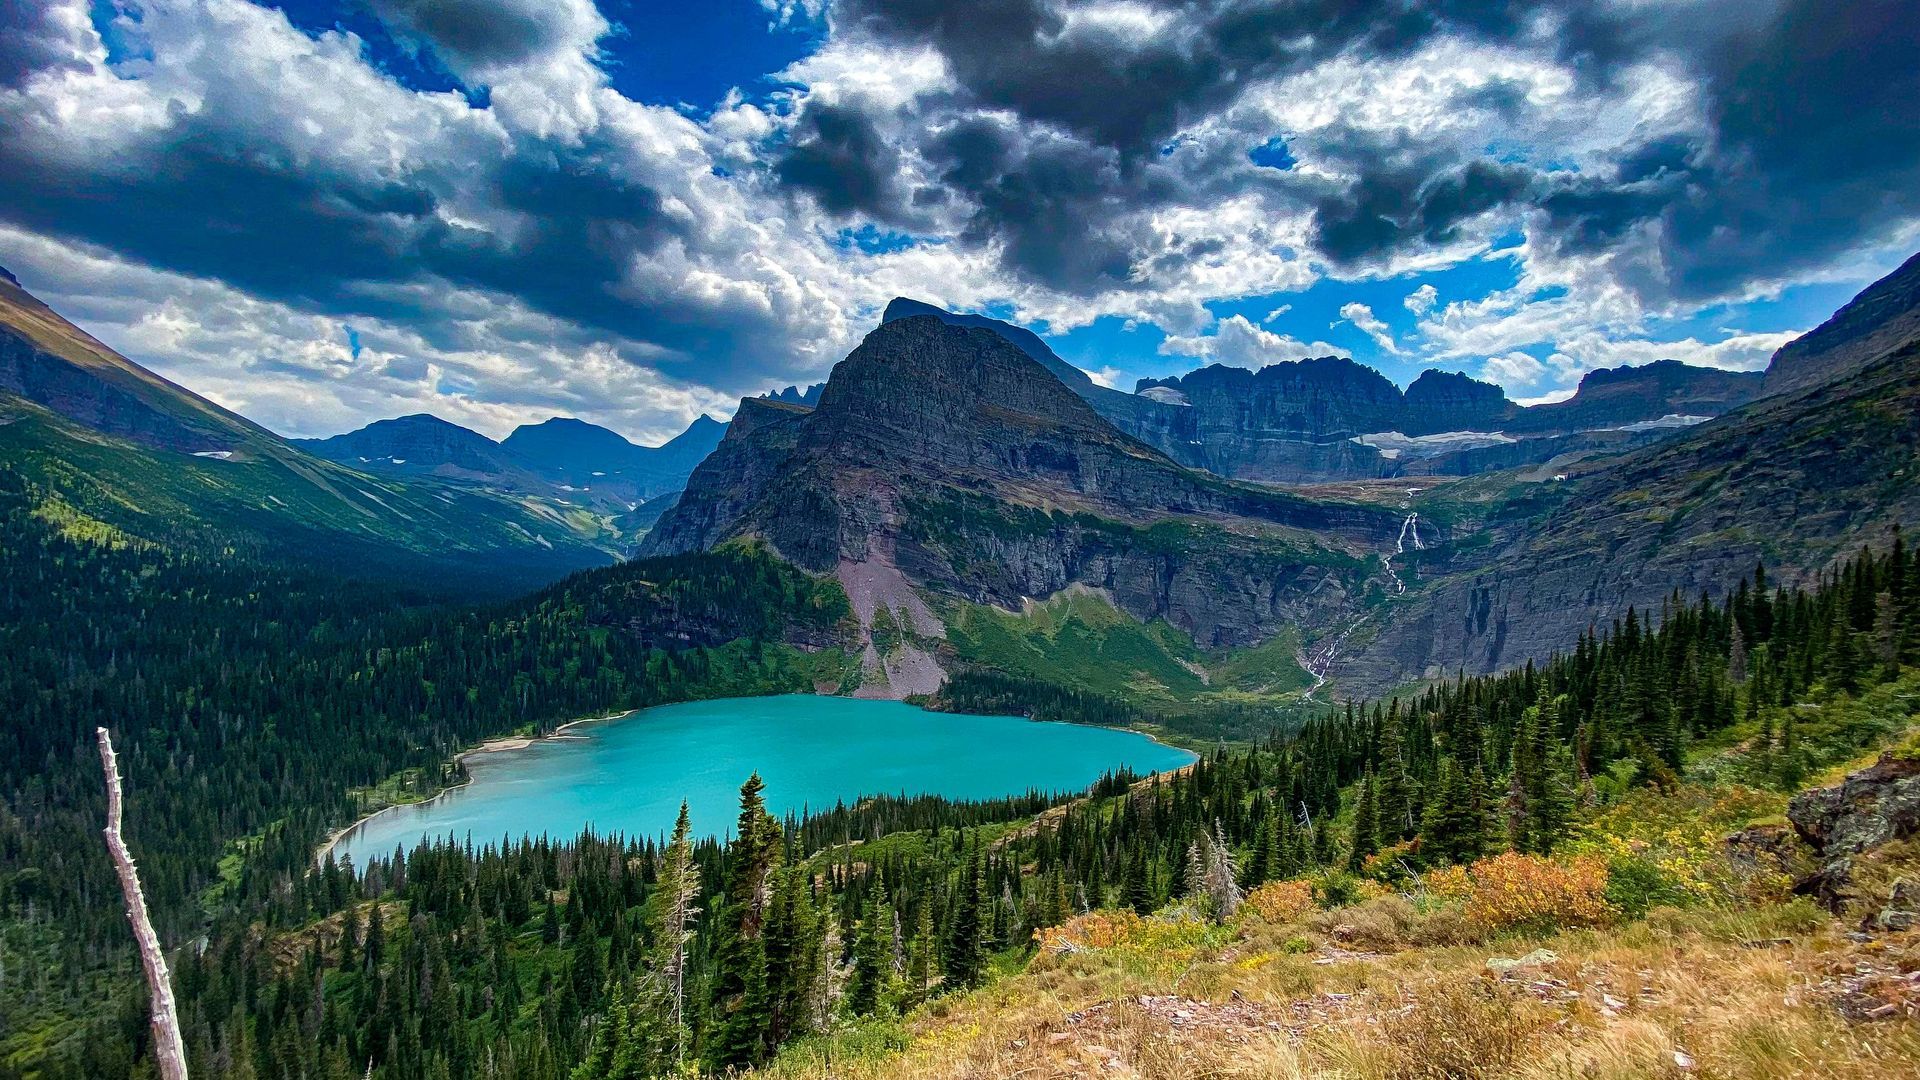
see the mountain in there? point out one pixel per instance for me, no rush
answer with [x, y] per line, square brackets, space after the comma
[1884, 315]
[587, 456]
[1614, 397]
[562, 460]
[47, 360]
[106, 445]
[421, 444]
[1795, 480]
[1329, 419]
[942, 457]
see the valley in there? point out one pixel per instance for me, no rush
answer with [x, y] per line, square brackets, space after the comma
[1378, 696]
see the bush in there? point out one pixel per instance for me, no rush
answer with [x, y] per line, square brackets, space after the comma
[1280, 901]
[1512, 891]
[1094, 930]
[1447, 883]
[1338, 888]
[1635, 885]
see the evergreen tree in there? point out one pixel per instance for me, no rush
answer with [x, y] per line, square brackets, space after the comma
[742, 1001]
[965, 959]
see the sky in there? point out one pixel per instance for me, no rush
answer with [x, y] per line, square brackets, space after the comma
[325, 213]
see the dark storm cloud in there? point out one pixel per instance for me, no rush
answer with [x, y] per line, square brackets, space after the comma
[1054, 128]
[1130, 91]
[211, 202]
[841, 158]
[1817, 115]
[1389, 209]
[1057, 130]
[476, 35]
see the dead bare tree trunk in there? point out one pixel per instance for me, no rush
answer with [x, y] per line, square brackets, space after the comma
[169, 1050]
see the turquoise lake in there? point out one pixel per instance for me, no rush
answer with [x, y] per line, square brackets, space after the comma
[628, 775]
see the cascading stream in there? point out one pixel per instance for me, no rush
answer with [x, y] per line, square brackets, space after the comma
[1318, 662]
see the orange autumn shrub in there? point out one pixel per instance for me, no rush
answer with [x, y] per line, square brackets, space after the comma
[1094, 930]
[1514, 891]
[1281, 901]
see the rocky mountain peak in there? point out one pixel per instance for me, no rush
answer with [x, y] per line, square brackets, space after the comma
[925, 380]
[1884, 316]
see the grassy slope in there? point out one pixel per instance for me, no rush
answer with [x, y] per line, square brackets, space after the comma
[1725, 973]
[1080, 640]
[289, 505]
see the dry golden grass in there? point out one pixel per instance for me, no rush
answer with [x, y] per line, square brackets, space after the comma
[1681, 995]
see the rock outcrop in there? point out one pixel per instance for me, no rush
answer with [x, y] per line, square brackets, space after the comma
[1872, 807]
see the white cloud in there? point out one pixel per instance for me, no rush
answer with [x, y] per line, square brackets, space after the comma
[1422, 300]
[1238, 342]
[1275, 313]
[1515, 369]
[1363, 318]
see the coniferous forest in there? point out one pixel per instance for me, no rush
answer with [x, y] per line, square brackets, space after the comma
[251, 707]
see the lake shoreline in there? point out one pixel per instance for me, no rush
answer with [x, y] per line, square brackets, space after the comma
[505, 743]
[494, 745]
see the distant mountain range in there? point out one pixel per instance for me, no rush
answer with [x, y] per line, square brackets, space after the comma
[102, 440]
[567, 460]
[954, 459]
[1330, 419]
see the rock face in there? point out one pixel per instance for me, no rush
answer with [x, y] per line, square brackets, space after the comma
[1612, 397]
[1885, 316]
[1877, 805]
[945, 453]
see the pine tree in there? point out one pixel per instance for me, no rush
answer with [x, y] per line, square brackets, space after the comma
[871, 945]
[742, 1000]
[1455, 828]
[671, 918]
[1365, 839]
[965, 960]
[921, 964]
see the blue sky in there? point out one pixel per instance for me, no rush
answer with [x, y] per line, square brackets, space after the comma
[638, 212]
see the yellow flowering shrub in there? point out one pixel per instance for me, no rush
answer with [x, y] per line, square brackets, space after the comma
[1515, 891]
[1447, 883]
[1280, 901]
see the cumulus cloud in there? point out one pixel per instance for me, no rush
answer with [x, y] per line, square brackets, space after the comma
[1062, 159]
[1364, 320]
[1238, 342]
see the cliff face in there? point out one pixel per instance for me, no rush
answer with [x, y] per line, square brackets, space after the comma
[1794, 481]
[51, 362]
[946, 455]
